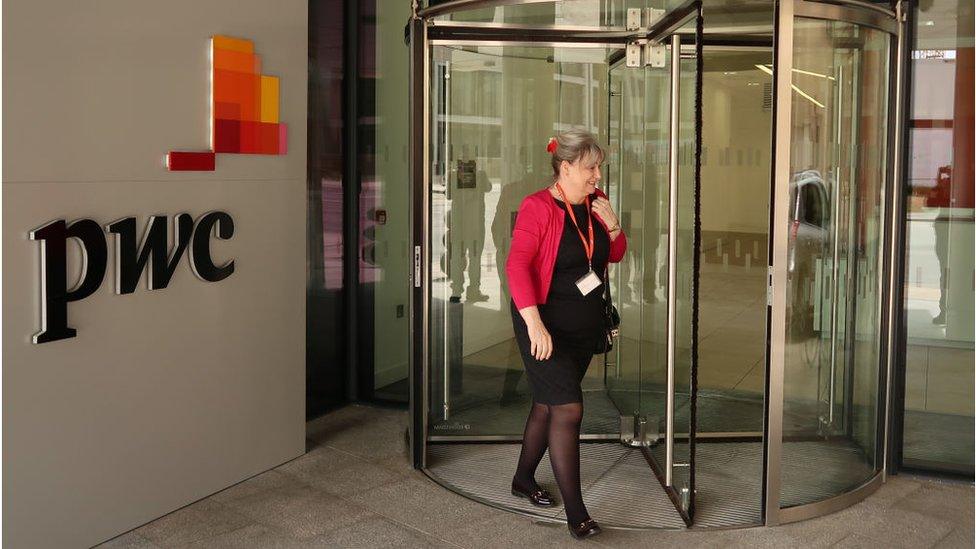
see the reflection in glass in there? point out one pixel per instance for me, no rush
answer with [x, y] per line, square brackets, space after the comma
[385, 259]
[592, 13]
[324, 369]
[938, 288]
[831, 380]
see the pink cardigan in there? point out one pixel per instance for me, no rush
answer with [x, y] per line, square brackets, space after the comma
[535, 241]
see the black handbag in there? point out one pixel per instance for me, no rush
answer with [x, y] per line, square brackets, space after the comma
[611, 319]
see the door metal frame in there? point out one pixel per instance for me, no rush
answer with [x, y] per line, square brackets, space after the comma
[673, 145]
[420, 216]
[864, 14]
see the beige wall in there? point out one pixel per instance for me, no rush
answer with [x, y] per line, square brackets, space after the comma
[164, 396]
[736, 136]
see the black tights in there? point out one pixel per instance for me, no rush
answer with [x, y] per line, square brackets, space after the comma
[556, 426]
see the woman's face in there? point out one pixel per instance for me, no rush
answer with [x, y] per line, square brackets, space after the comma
[582, 175]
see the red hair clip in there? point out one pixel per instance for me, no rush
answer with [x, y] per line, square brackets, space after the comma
[551, 147]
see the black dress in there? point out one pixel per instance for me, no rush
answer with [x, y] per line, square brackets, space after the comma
[573, 320]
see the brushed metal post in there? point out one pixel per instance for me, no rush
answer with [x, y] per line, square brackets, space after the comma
[672, 252]
[895, 243]
[782, 129]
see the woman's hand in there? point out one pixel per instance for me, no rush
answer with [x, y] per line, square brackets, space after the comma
[603, 209]
[541, 341]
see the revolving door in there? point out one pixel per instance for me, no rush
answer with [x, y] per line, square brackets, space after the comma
[748, 384]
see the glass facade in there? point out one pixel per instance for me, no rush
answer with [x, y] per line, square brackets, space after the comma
[938, 281]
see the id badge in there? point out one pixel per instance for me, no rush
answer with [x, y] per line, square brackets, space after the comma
[588, 283]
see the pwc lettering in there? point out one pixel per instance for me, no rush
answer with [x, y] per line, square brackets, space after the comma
[131, 260]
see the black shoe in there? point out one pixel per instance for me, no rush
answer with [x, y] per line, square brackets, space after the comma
[539, 498]
[585, 529]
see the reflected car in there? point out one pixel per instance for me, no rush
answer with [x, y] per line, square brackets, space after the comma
[809, 242]
[809, 218]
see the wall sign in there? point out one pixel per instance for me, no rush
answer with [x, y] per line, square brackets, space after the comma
[243, 106]
[131, 259]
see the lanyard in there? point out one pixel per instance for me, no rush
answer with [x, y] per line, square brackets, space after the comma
[588, 246]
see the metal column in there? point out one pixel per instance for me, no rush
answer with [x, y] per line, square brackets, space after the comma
[672, 252]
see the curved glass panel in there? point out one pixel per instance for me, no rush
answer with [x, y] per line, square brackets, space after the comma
[607, 14]
[724, 16]
[589, 13]
[838, 162]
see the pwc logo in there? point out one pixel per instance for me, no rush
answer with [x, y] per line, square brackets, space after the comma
[131, 259]
[243, 105]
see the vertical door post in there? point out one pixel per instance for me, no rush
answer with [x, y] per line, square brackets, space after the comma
[782, 139]
[896, 224]
[419, 215]
[672, 253]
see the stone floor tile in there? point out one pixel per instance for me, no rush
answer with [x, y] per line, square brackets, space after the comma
[899, 528]
[274, 479]
[354, 419]
[370, 439]
[961, 537]
[941, 500]
[894, 490]
[656, 539]
[254, 535]
[822, 531]
[772, 537]
[512, 530]
[424, 505]
[354, 478]
[129, 540]
[317, 464]
[301, 512]
[857, 541]
[203, 519]
[377, 533]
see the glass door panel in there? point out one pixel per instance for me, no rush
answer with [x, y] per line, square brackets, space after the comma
[640, 184]
[492, 111]
[685, 272]
[654, 254]
[625, 186]
[838, 162]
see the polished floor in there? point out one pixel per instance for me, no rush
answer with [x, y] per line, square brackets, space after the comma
[354, 488]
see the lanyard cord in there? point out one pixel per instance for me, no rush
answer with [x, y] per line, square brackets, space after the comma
[588, 246]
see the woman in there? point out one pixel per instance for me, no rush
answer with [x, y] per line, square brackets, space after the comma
[555, 275]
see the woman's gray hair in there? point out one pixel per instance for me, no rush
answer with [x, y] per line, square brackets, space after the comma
[573, 145]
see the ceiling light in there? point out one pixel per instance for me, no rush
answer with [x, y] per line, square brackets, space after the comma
[805, 95]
